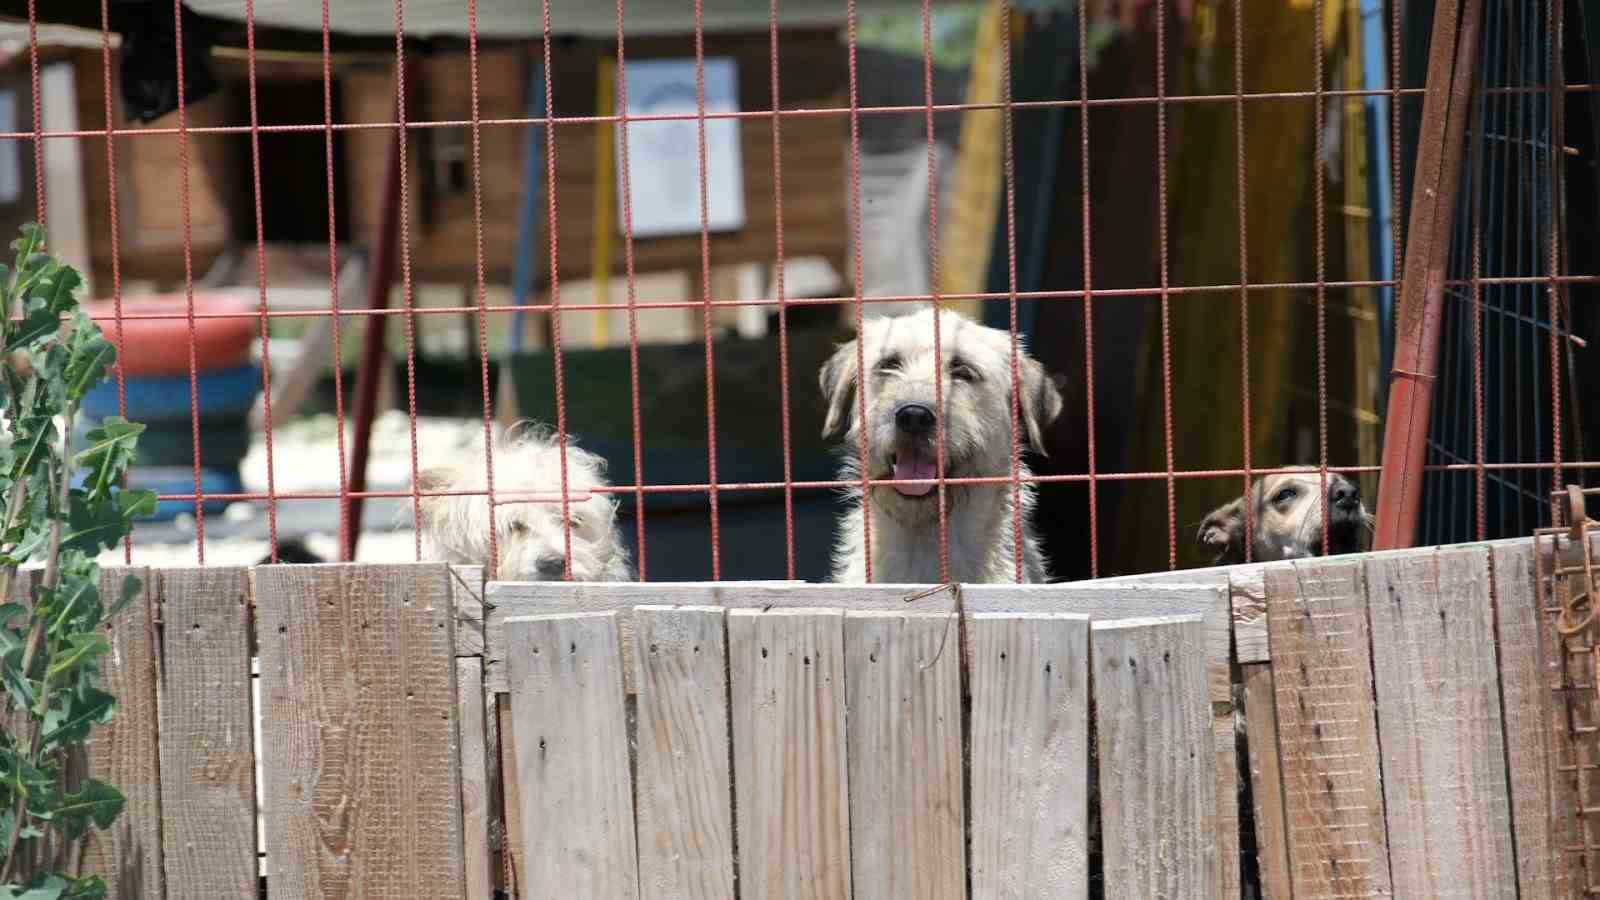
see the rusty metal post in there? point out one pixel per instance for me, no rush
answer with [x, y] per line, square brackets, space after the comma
[374, 350]
[1452, 57]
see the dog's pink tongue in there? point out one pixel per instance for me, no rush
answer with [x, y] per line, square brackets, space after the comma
[913, 465]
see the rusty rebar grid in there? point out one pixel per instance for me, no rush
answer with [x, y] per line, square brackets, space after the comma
[1566, 590]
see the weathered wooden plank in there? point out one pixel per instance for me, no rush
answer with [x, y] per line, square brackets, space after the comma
[508, 599]
[1208, 598]
[1225, 757]
[1030, 755]
[1543, 822]
[1249, 598]
[466, 598]
[1266, 782]
[1158, 822]
[513, 866]
[359, 724]
[903, 684]
[1248, 591]
[788, 707]
[124, 752]
[495, 805]
[1248, 604]
[1327, 729]
[685, 799]
[476, 855]
[572, 757]
[208, 799]
[1444, 772]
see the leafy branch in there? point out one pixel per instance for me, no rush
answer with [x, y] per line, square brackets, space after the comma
[52, 639]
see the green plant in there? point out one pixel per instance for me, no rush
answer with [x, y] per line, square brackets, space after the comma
[61, 507]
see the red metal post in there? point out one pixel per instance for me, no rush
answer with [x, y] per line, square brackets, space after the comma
[1451, 62]
[374, 351]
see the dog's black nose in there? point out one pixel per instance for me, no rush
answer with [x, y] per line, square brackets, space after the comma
[551, 566]
[1344, 495]
[914, 418]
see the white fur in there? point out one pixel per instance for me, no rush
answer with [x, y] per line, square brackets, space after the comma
[527, 513]
[977, 418]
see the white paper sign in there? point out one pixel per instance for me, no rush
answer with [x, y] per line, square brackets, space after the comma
[664, 157]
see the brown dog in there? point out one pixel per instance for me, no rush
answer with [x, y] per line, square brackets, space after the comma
[1286, 516]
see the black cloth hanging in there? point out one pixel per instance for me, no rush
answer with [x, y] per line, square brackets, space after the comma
[149, 67]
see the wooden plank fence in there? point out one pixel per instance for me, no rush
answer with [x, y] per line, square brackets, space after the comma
[425, 735]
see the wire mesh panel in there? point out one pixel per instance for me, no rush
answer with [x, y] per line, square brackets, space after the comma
[343, 246]
[1512, 364]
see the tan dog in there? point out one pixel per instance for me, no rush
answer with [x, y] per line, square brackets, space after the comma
[902, 423]
[1286, 516]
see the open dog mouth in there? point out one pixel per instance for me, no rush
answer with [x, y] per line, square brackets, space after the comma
[914, 463]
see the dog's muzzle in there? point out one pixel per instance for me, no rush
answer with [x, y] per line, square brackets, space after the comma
[915, 457]
[1345, 497]
[551, 566]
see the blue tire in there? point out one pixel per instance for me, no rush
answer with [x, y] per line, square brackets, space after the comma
[164, 480]
[220, 391]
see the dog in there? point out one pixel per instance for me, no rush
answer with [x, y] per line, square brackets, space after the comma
[528, 524]
[902, 424]
[1286, 515]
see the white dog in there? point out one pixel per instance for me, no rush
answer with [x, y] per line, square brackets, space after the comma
[1286, 518]
[902, 427]
[527, 515]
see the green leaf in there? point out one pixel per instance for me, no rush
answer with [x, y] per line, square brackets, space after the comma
[22, 776]
[30, 242]
[93, 707]
[132, 587]
[115, 438]
[33, 436]
[57, 289]
[109, 453]
[39, 324]
[92, 357]
[136, 504]
[81, 650]
[95, 801]
[19, 687]
[89, 888]
[60, 693]
[92, 526]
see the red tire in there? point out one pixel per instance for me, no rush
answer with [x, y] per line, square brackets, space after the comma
[161, 346]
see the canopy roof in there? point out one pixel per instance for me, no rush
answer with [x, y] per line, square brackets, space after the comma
[367, 24]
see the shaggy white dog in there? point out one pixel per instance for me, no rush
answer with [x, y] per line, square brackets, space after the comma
[902, 427]
[527, 516]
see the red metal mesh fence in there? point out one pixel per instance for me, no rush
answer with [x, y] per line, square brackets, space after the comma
[1197, 88]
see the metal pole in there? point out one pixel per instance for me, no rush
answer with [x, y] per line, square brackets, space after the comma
[1452, 59]
[374, 350]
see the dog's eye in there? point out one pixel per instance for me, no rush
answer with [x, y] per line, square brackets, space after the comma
[960, 371]
[891, 363]
[517, 527]
[1285, 495]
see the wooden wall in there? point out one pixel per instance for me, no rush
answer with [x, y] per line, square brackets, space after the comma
[440, 226]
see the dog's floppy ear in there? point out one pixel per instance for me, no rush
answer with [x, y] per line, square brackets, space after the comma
[1041, 400]
[838, 380]
[1222, 533]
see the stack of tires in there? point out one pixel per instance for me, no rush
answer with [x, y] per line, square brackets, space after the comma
[154, 357]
